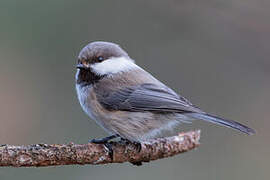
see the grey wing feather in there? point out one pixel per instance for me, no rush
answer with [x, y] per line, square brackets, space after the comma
[147, 97]
[156, 98]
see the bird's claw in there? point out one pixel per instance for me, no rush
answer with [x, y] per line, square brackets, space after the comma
[103, 140]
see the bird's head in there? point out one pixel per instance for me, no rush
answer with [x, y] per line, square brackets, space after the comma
[100, 59]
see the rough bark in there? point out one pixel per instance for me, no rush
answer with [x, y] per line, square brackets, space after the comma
[67, 154]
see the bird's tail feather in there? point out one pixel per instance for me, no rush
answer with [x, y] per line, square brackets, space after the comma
[223, 122]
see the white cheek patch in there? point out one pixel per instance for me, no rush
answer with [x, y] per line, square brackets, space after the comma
[114, 65]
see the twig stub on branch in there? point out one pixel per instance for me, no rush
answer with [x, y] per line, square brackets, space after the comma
[52, 155]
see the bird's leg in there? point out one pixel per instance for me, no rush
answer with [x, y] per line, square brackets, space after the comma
[138, 148]
[136, 143]
[106, 143]
[103, 140]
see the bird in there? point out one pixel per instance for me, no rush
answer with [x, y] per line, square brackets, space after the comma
[127, 101]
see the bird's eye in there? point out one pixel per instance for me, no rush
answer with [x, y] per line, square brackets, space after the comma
[100, 58]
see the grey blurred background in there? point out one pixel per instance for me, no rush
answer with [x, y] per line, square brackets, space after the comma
[214, 52]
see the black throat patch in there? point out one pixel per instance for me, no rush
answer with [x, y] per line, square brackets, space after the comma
[87, 77]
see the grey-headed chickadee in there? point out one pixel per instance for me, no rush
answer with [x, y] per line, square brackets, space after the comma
[129, 102]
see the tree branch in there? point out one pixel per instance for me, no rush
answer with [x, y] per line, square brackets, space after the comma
[53, 155]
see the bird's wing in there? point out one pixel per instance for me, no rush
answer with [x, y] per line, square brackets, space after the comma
[147, 97]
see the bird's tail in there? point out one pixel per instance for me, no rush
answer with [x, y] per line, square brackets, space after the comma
[223, 122]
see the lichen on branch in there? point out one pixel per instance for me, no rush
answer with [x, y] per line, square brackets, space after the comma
[40, 155]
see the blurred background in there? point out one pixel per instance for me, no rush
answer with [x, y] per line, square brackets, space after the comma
[214, 52]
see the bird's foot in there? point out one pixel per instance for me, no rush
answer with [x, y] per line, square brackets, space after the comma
[103, 140]
[106, 143]
[138, 147]
[136, 143]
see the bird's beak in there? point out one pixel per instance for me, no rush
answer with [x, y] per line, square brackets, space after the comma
[82, 66]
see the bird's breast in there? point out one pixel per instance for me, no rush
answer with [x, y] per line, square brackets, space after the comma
[83, 93]
[89, 103]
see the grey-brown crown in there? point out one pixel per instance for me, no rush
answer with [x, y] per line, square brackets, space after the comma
[97, 49]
